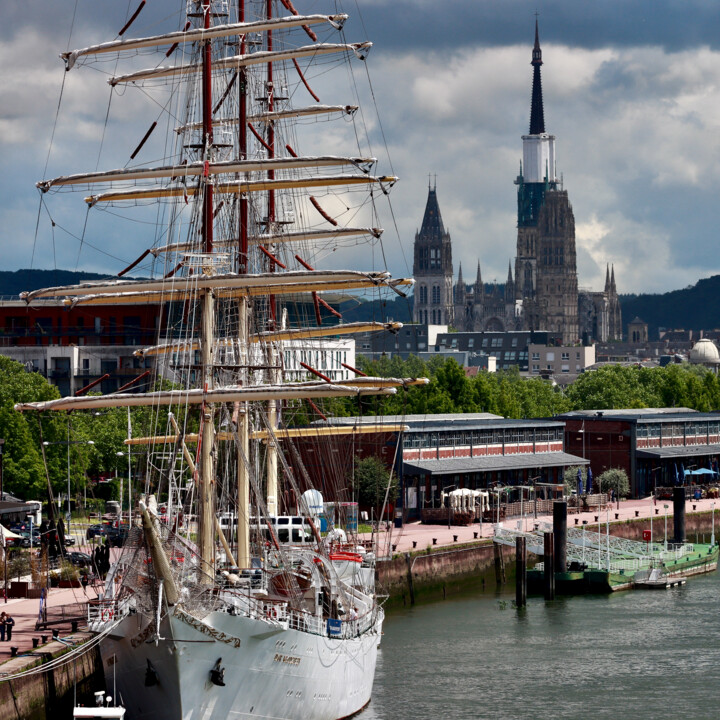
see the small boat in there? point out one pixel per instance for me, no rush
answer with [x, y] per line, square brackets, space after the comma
[104, 708]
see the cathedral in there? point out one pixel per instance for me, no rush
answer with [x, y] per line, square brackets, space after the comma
[543, 294]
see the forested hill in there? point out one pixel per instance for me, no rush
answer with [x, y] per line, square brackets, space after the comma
[693, 308]
[12, 283]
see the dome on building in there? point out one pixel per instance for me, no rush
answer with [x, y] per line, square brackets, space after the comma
[705, 352]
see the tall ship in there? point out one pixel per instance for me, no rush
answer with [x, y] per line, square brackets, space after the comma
[237, 593]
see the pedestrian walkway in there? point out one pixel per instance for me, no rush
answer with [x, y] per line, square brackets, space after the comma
[416, 536]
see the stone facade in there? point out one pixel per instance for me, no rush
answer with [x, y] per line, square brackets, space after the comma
[544, 293]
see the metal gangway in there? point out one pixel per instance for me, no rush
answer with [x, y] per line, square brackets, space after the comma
[595, 550]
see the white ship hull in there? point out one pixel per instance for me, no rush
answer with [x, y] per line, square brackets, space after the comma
[271, 671]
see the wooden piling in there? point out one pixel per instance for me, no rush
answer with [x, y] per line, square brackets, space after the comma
[549, 562]
[521, 572]
[411, 588]
[499, 564]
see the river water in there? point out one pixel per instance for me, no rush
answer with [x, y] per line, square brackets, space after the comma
[642, 654]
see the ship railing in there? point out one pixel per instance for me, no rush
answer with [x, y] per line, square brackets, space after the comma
[102, 612]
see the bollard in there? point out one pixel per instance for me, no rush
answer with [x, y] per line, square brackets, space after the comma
[44, 639]
[679, 515]
[560, 536]
[74, 623]
[394, 548]
[455, 537]
[657, 511]
[549, 566]
[637, 513]
[414, 544]
[521, 574]
[617, 516]
[434, 541]
[55, 634]
[36, 642]
[13, 651]
[577, 520]
[475, 536]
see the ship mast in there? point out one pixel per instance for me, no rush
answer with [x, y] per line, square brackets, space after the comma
[243, 480]
[206, 479]
[272, 459]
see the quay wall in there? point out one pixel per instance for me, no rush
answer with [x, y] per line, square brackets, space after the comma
[49, 695]
[435, 573]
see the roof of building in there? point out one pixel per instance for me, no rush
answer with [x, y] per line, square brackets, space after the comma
[678, 451]
[642, 415]
[446, 421]
[705, 352]
[488, 463]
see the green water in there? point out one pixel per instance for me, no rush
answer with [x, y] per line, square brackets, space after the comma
[639, 654]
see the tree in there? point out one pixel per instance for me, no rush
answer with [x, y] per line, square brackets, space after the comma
[615, 479]
[23, 469]
[370, 480]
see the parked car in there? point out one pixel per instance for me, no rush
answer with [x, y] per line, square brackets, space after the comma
[69, 540]
[99, 530]
[117, 536]
[79, 559]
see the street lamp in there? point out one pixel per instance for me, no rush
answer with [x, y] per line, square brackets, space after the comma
[2, 448]
[666, 509]
[68, 442]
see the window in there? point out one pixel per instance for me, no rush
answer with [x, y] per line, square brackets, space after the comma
[423, 295]
[536, 368]
[577, 355]
[565, 368]
[485, 342]
[471, 342]
[536, 356]
[496, 342]
[550, 357]
[514, 342]
[565, 356]
[436, 295]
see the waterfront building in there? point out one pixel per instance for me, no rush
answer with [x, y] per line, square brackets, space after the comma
[436, 453]
[657, 447]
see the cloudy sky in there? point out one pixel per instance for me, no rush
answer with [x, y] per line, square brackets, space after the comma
[631, 89]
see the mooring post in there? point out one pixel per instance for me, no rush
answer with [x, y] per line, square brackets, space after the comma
[411, 588]
[499, 564]
[679, 515]
[560, 533]
[521, 576]
[549, 563]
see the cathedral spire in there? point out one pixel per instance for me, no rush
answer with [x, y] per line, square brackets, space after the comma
[432, 224]
[537, 115]
[479, 288]
[612, 280]
[607, 278]
[460, 291]
[509, 285]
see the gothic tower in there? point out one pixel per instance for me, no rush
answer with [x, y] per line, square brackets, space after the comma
[432, 268]
[545, 265]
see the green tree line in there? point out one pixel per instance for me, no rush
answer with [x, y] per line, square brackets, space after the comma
[449, 390]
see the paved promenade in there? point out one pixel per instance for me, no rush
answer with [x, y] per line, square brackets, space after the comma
[422, 535]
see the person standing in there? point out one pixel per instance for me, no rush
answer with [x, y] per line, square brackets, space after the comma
[9, 623]
[2, 627]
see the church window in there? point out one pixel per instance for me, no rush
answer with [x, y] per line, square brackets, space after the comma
[434, 257]
[436, 294]
[423, 295]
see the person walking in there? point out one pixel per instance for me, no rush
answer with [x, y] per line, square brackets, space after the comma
[9, 623]
[2, 627]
